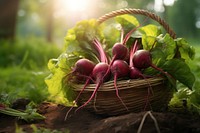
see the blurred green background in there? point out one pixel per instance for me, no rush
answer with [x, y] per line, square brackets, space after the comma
[50, 19]
[33, 31]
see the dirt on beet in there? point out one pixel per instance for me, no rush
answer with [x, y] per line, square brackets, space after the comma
[86, 122]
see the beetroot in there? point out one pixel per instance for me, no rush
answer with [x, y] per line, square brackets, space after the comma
[120, 68]
[142, 59]
[119, 51]
[84, 66]
[82, 69]
[98, 73]
[135, 73]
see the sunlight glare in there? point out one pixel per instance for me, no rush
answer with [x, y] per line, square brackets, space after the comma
[78, 5]
[75, 5]
[198, 24]
[158, 6]
[168, 2]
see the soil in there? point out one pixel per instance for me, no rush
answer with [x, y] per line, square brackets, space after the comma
[86, 122]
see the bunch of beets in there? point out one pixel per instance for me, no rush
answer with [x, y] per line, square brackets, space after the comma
[124, 63]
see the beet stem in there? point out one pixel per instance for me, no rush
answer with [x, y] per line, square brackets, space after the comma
[103, 57]
[95, 99]
[117, 92]
[148, 95]
[134, 48]
[147, 100]
[84, 76]
[86, 83]
[161, 70]
[113, 59]
[131, 31]
[122, 35]
[144, 77]
[92, 96]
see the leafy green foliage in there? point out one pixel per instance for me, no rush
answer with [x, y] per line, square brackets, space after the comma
[163, 49]
[59, 89]
[109, 38]
[149, 34]
[167, 45]
[150, 30]
[180, 71]
[190, 96]
[79, 40]
[186, 51]
[127, 22]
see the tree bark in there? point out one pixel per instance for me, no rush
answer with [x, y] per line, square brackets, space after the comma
[8, 17]
[49, 19]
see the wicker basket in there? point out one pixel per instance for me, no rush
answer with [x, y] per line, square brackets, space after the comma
[138, 94]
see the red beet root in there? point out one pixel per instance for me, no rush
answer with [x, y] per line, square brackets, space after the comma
[119, 69]
[98, 73]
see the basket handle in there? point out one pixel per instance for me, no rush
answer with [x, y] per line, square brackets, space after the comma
[140, 12]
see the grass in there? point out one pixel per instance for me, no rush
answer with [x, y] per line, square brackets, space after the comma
[16, 82]
[39, 130]
[30, 53]
[23, 69]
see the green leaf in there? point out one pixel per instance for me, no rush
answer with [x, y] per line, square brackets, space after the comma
[180, 71]
[128, 22]
[148, 42]
[149, 34]
[30, 114]
[71, 46]
[60, 92]
[55, 88]
[158, 57]
[167, 45]
[111, 35]
[150, 30]
[52, 64]
[66, 61]
[186, 51]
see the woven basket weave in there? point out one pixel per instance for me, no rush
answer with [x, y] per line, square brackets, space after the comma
[137, 94]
